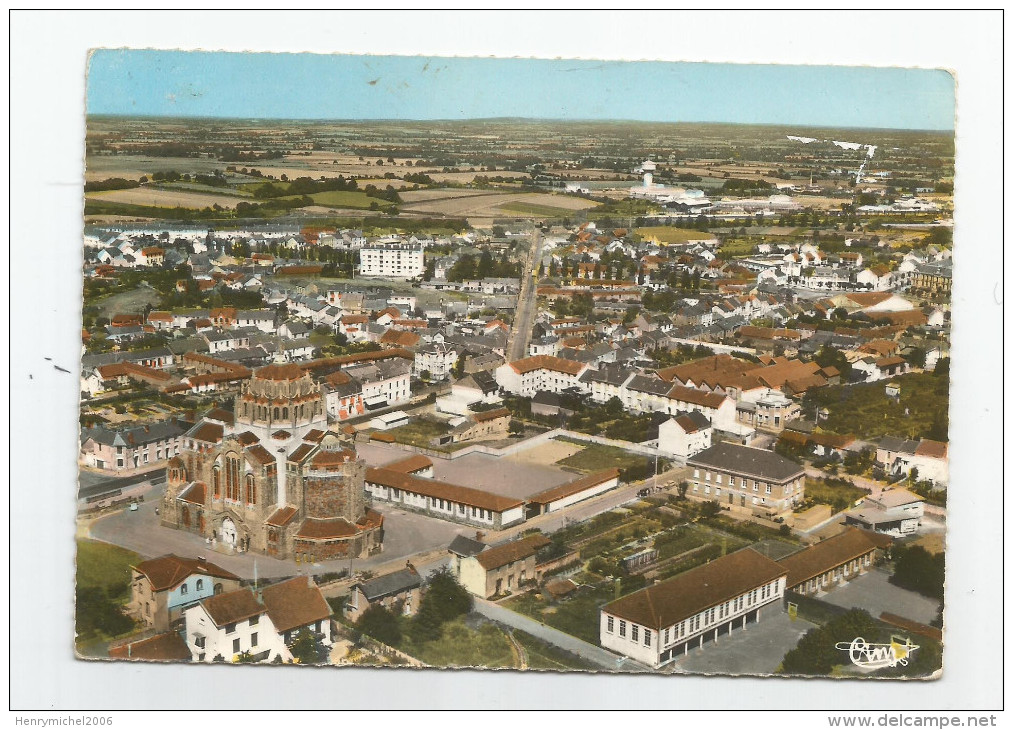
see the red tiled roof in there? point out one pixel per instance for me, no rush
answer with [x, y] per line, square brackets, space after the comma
[835, 551]
[260, 455]
[497, 557]
[441, 490]
[232, 607]
[166, 647]
[294, 603]
[546, 362]
[687, 594]
[168, 571]
[411, 464]
[930, 448]
[574, 487]
[492, 415]
[332, 460]
[697, 397]
[209, 432]
[282, 516]
[290, 371]
[333, 529]
[196, 493]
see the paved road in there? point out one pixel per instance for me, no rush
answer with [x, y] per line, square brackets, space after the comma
[92, 483]
[595, 654]
[527, 306]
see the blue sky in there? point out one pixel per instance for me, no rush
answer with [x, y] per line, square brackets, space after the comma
[308, 86]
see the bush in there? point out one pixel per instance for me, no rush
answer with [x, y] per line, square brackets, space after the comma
[381, 624]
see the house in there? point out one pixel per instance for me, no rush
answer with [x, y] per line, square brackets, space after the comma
[818, 568]
[437, 359]
[226, 626]
[658, 624]
[401, 590]
[131, 448]
[297, 605]
[742, 475]
[529, 375]
[895, 511]
[161, 589]
[392, 261]
[685, 434]
[502, 569]
[482, 426]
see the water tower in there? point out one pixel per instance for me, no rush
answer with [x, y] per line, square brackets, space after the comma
[648, 168]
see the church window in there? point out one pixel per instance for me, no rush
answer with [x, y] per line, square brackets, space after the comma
[276, 412]
[284, 413]
[251, 490]
[216, 481]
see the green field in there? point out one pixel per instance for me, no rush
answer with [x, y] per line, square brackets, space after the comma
[100, 565]
[547, 656]
[419, 433]
[346, 199]
[576, 616]
[866, 411]
[461, 646]
[839, 496]
[596, 457]
[670, 234]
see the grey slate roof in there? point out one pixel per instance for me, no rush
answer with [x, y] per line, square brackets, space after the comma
[390, 584]
[892, 443]
[465, 547]
[746, 460]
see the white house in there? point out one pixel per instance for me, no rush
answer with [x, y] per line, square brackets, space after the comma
[437, 358]
[529, 375]
[896, 511]
[685, 434]
[229, 625]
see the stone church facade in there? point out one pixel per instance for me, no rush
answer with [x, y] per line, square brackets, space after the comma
[270, 478]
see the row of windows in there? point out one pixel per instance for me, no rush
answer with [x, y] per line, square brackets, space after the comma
[233, 491]
[634, 630]
[444, 504]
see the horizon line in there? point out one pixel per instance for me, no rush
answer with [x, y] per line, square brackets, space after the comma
[555, 120]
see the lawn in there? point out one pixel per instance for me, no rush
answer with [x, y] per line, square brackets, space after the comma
[100, 565]
[840, 497]
[461, 646]
[735, 247]
[546, 656]
[671, 234]
[866, 411]
[419, 433]
[576, 616]
[596, 457]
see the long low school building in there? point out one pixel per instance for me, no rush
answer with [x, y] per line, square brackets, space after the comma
[443, 500]
[822, 566]
[564, 495]
[658, 624]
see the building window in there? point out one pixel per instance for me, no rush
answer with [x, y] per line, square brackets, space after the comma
[200, 584]
[622, 628]
[235, 646]
[253, 639]
[634, 632]
[216, 482]
[183, 589]
[251, 490]
[199, 641]
[254, 620]
[647, 637]
[230, 628]
[768, 489]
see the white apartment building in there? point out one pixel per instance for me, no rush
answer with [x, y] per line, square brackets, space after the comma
[529, 375]
[392, 261]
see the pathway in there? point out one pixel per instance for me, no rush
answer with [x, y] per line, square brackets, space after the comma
[595, 654]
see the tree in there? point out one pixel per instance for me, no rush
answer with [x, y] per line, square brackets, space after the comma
[817, 652]
[306, 648]
[381, 624]
[444, 601]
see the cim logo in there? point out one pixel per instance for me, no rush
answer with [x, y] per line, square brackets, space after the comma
[877, 656]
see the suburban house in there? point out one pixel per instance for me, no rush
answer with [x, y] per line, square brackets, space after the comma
[743, 475]
[529, 375]
[502, 569]
[895, 511]
[685, 434]
[131, 448]
[926, 458]
[229, 625]
[658, 624]
[818, 568]
[297, 605]
[161, 589]
[402, 587]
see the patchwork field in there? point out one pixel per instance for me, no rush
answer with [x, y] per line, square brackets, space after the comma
[167, 198]
[671, 234]
[499, 204]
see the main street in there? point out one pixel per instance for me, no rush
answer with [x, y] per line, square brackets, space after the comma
[527, 308]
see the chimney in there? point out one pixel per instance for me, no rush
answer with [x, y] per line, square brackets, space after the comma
[480, 536]
[202, 563]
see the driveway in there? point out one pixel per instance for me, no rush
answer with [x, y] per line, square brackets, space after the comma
[874, 592]
[597, 655]
[758, 649]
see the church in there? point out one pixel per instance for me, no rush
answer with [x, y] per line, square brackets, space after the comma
[270, 478]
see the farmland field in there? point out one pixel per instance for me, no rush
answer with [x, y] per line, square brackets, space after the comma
[670, 234]
[166, 198]
[495, 204]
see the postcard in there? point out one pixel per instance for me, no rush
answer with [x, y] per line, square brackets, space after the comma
[554, 366]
